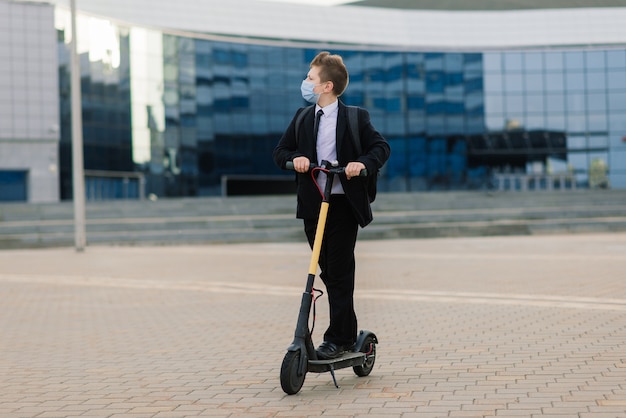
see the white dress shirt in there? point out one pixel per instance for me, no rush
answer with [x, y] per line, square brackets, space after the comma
[327, 142]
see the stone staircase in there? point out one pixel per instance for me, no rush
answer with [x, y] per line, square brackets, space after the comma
[271, 218]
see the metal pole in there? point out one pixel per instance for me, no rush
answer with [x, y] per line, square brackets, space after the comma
[78, 176]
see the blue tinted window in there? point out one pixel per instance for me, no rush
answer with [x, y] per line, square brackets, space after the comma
[616, 59]
[397, 163]
[394, 124]
[455, 108]
[417, 148]
[438, 107]
[454, 78]
[473, 84]
[575, 81]
[492, 62]
[555, 103]
[380, 103]
[455, 124]
[576, 102]
[554, 82]
[415, 102]
[595, 60]
[534, 122]
[493, 83]
[434, 61]
[473, 63]
[415, 70]
[597, 122]
[394, 73]
[494, 122]
[553, 61]
[435, 81]
[533, 82]
[353, 99]
[474, 104]
[574, 61]
[576, 122]
[394, 104]
[514, 105]
[576, 142]
[221, 56]
[475, 124]
[239, 59]
[617, 101]
[513, 83]
[414, 86]
[453, 62]
[533, 61]
[379, 75]
[494, 104]
[595, 80]
[555, 121]
[535, 103]
[415, 122]
[616, 79]
[435, 124]
[13, 186]
[513, 62]
[598, 141]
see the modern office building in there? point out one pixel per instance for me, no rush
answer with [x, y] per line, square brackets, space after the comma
[29, 103]
[177, 95]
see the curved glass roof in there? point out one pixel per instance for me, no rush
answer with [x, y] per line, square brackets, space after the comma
[265, 21]
[458, 5]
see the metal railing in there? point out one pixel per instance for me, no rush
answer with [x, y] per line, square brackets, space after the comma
[523, 182]
[111, 185]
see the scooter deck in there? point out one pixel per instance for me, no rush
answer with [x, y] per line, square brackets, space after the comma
[348, 359]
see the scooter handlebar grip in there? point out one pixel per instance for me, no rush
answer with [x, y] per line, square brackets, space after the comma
[289, 165]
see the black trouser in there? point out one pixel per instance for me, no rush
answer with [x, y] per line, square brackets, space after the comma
[337, 266]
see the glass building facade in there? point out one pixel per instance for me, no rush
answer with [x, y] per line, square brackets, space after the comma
[184, 111]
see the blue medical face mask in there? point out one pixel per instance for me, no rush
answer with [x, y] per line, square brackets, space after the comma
[307, 92]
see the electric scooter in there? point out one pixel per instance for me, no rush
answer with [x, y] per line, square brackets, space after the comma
[301, 356]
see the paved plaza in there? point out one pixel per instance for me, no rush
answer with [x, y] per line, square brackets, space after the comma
[467, 327]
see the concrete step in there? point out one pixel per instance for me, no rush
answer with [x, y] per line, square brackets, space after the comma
[271, 218]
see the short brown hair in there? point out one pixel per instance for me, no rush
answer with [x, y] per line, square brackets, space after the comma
[332, 69]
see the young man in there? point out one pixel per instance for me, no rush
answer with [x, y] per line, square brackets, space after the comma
[349, 202]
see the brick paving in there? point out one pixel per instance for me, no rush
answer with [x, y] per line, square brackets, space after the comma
[468, 327]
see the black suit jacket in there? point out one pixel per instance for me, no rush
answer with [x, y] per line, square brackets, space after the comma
[374, 153]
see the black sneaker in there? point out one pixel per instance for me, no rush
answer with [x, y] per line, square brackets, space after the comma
[329, 351]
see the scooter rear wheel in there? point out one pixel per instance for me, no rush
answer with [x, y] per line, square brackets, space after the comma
[369, 348]
[291, 380]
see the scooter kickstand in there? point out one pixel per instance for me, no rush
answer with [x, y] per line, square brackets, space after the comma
[332, 373]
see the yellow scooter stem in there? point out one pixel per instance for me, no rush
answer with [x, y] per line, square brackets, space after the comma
[319, 236]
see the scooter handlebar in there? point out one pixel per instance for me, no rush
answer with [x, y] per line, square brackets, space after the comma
[289, 166]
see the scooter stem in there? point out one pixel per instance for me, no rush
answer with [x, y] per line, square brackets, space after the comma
[321, 221]
[319, 235]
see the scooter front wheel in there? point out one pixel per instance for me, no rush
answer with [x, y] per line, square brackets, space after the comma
[291, 379]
